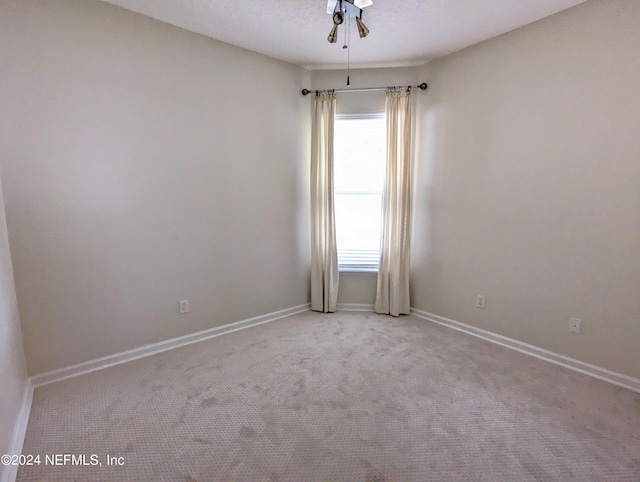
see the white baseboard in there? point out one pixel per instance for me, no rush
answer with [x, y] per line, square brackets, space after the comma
[576, 365]
[10, 472]
[152, 349]
[354, 307]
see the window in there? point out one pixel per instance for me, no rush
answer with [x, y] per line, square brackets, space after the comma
[359, 164]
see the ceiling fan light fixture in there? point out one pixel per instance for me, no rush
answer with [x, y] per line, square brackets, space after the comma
[333, 35]
[363, 31]
[338, 18]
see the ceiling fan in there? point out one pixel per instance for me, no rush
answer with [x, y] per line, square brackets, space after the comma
[339, 8]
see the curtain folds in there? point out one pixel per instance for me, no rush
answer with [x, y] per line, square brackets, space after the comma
[324, 253]
[392, 295]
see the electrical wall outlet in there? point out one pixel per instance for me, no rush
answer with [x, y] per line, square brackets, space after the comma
[481, 302]
[184, 306]
[575, 325]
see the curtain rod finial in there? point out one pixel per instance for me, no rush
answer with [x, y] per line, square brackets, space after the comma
[306, 91]
[423, 86]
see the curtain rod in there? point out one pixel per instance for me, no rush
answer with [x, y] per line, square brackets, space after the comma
[422, 86]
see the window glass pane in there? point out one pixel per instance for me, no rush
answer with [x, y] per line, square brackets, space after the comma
[359, 154]
[358, 221]
[359, 163]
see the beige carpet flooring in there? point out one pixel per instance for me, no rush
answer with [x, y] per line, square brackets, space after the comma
[342, 397]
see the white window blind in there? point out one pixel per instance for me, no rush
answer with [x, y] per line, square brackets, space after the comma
[359, 163]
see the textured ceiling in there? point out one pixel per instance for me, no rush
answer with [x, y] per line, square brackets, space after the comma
[408, 32]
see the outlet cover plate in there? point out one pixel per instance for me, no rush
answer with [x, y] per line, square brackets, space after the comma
[575, 325]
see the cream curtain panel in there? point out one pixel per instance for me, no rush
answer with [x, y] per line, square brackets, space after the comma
[392, 296]
[324, 253]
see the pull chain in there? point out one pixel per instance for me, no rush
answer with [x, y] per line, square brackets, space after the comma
[348, 53]
[348, 43]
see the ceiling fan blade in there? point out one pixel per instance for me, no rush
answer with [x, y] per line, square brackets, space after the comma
[331, 6]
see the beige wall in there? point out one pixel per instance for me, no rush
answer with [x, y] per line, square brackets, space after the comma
[13, 375]
[528, 187]
[360, 288]
[144, 164]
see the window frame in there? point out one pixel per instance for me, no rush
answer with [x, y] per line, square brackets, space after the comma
[366, 270]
